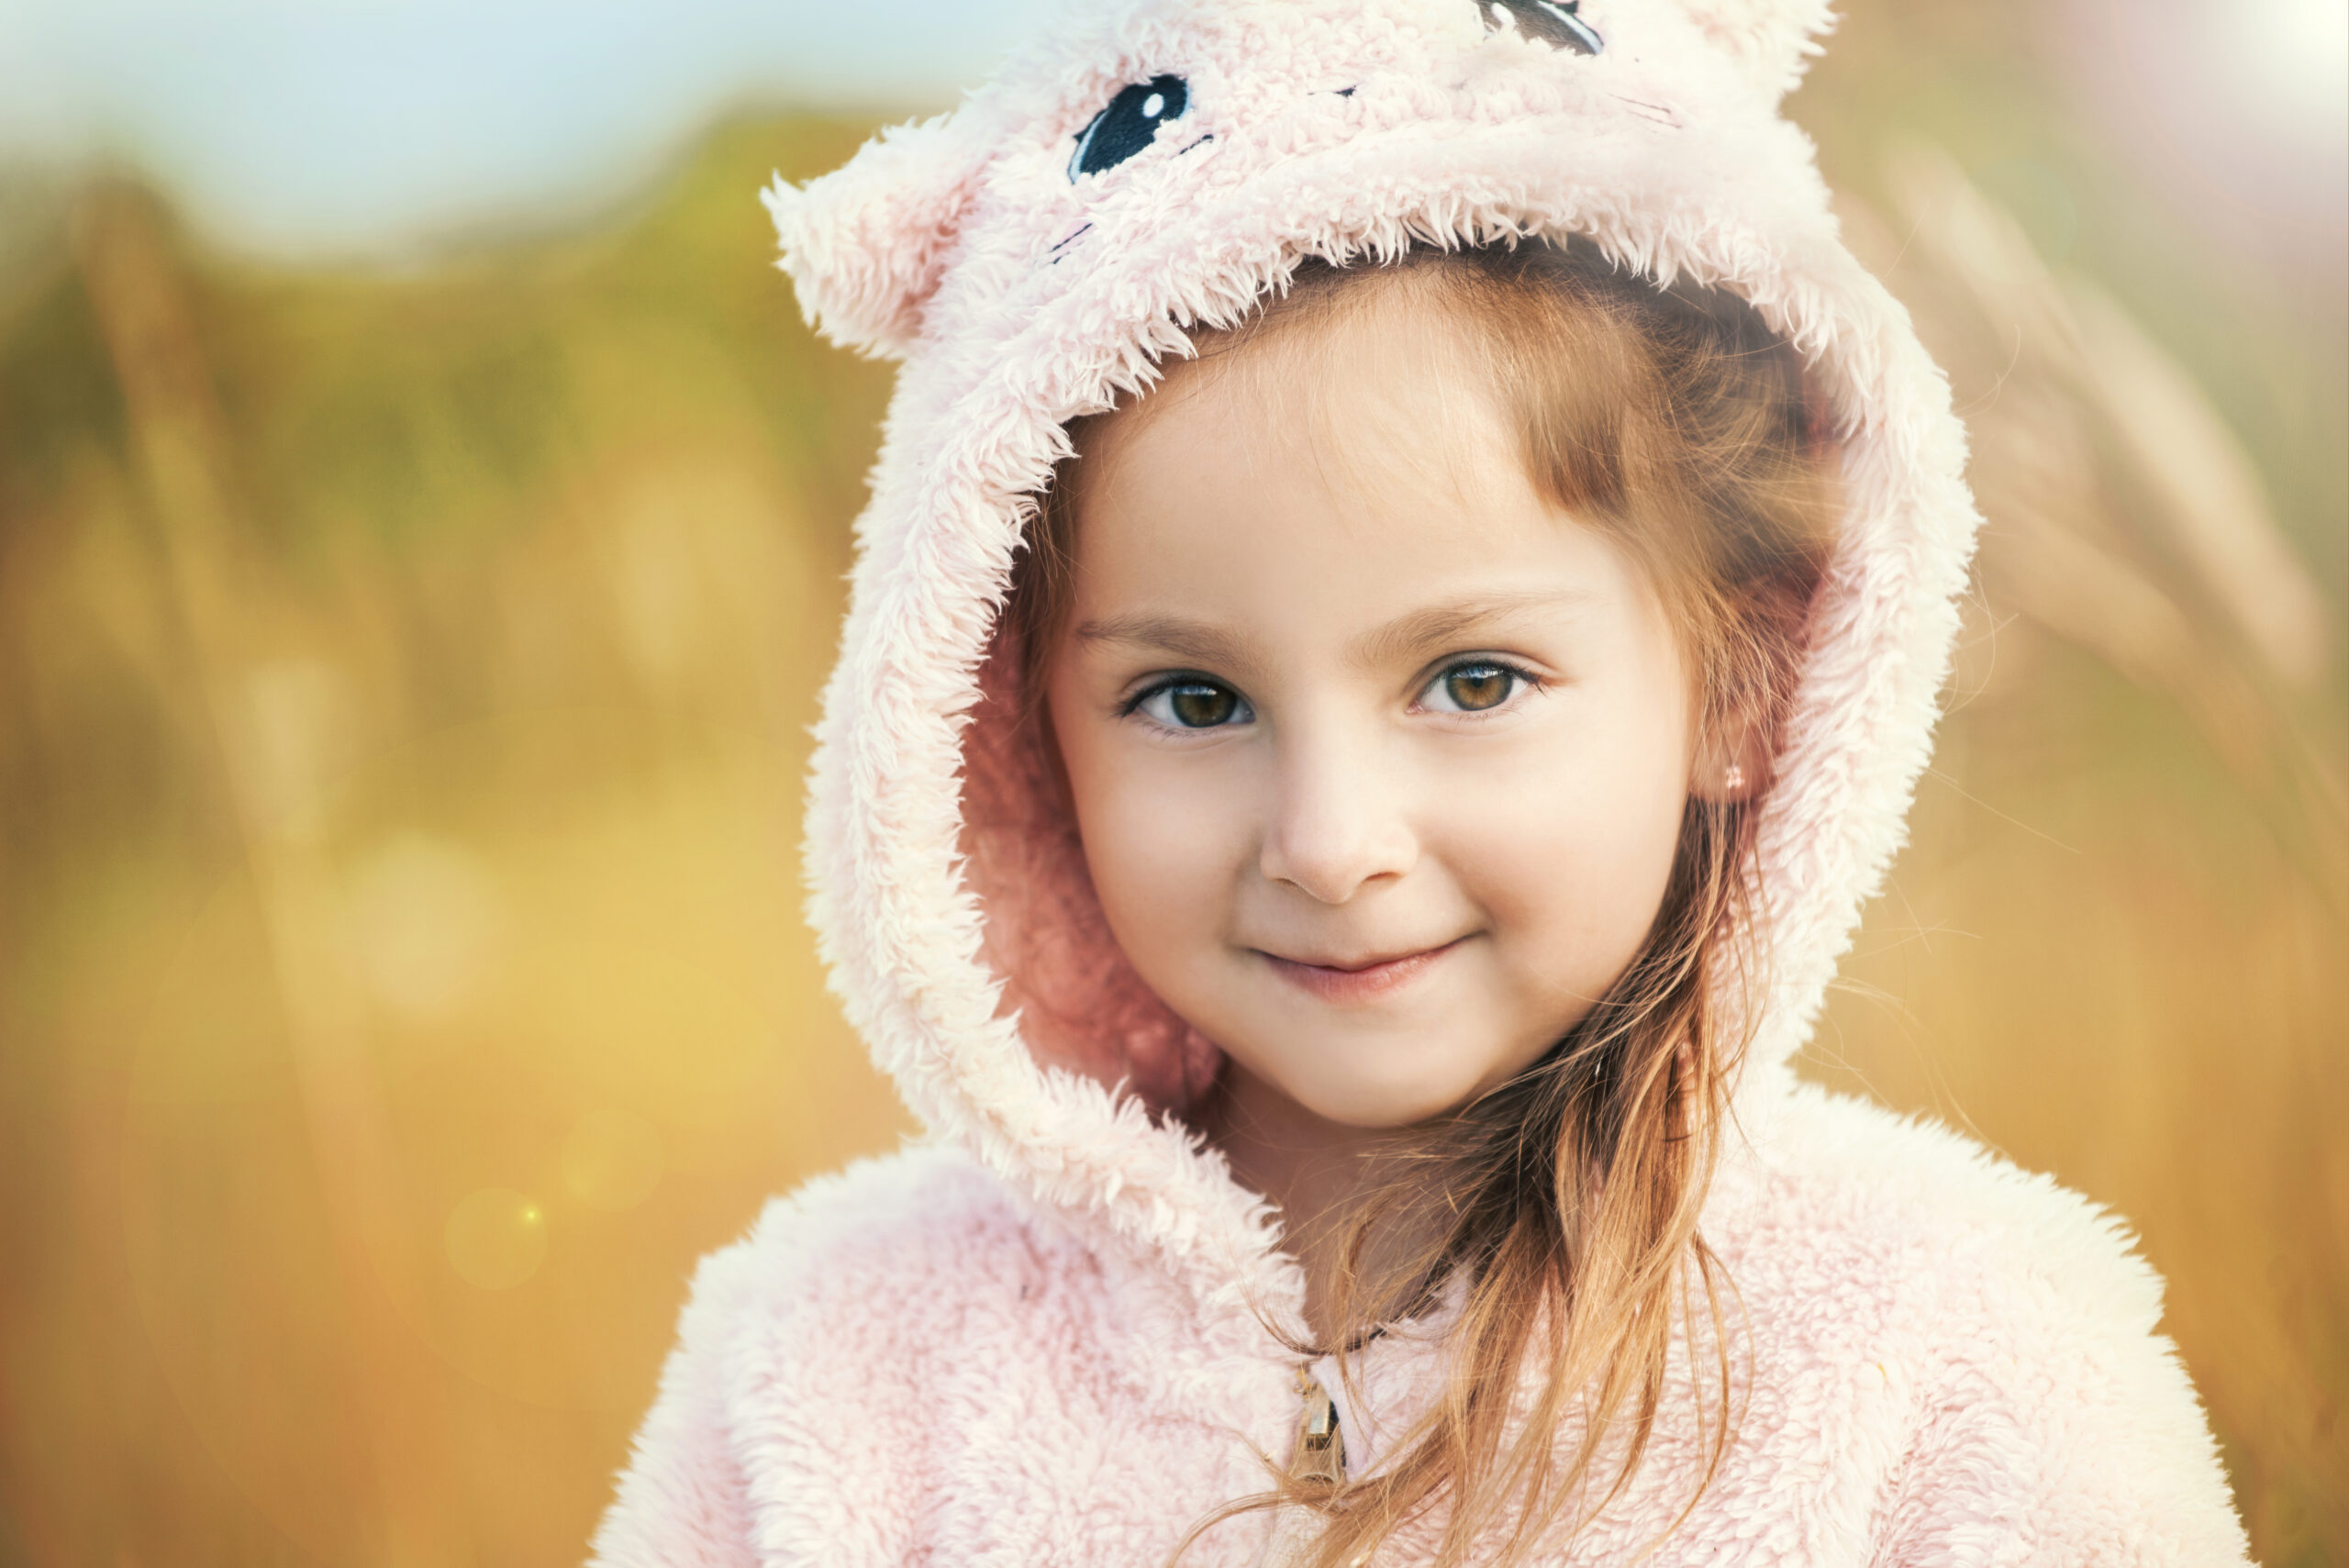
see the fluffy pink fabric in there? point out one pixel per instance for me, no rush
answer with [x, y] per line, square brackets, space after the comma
[1038, 1338]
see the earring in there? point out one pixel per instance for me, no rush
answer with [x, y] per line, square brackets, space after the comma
[1733, 778]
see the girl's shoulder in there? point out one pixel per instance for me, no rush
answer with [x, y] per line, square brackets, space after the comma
[1919, 1211]
[1993, 1336]
[861, 1314]
[885, 1245]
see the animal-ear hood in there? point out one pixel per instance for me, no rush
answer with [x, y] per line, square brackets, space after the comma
[1772, 41]
[867, 244]
[1151, 167]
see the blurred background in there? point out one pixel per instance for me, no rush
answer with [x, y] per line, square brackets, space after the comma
[422, 518]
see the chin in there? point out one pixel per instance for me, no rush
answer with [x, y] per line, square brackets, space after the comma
[1379, 1107]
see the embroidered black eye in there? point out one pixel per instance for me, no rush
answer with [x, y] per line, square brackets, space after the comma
[1555, 22]
[1126, 126]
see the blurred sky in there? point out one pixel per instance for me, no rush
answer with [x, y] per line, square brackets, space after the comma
[339, 126]
[325, 126]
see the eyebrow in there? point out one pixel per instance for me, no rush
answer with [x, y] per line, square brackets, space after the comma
[1405, 636]
[1410, 635]
[1191, 640]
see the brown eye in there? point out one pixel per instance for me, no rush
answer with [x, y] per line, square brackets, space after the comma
[1201, 707]
[1195, 705]
[1473, 688]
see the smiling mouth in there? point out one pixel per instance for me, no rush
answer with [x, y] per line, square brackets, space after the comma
[1369, 981]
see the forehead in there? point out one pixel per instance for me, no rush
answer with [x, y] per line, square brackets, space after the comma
[1299, 485]
[1369, 381]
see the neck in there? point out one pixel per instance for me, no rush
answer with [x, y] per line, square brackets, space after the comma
[1310, 1168]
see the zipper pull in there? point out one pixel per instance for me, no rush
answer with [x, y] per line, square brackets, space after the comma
[1320, 1447]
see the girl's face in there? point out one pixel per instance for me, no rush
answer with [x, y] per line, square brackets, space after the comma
[1378, 759]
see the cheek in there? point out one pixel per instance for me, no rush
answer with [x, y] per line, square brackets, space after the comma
[1146, 849]
[1163, 841]
[1570, 854]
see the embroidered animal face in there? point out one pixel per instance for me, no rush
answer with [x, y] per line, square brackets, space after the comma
[1130, 117]
[1129, 122]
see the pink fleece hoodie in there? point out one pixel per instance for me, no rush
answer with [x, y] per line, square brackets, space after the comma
[1034, 1337]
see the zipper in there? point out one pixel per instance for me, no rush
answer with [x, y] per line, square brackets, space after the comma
[1320, 1446]
[1320, 1455]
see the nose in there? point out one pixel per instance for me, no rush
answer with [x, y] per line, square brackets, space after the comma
[1338, 821]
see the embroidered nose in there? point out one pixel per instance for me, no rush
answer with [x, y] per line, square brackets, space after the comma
[1555, 22]
[1126, 126]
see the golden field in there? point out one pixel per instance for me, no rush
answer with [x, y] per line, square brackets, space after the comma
[402, 688]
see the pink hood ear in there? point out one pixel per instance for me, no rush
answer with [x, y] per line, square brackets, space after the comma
[867, 244]
[1772, 41]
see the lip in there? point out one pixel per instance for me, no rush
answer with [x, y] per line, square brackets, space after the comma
[1371, 981]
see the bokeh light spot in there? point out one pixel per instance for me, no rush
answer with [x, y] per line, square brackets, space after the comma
[612, 1160]
[497, 1238]
[2287, 62]
[421, 925]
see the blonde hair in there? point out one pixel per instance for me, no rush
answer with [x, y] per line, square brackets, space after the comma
[1566, 1201]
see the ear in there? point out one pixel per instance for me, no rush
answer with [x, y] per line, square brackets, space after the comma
[1772, 41]
[1731, 761]
[867, 244]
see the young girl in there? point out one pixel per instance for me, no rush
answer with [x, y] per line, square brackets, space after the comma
[1403, 602]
